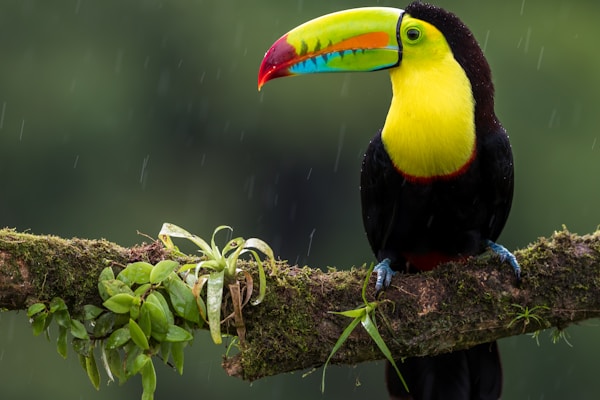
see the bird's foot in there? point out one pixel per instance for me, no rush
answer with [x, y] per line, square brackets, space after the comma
[506, 255]
[384, 274]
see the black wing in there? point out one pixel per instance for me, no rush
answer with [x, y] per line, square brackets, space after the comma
[497, 171]
[379, 185]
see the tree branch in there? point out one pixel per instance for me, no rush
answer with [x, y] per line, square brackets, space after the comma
[453, 307]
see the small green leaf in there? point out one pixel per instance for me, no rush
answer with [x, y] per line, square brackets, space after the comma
[78, 330]
[137, 335]
[138, 363]
[82, 362]
[92, 371]
[106, 274]
[132, 351]
[263, 247]
[148, 380]
[134, 311]
[63, 318]
[61, 341]
[262, 279]
[165, 351]
[35, 308]
[158, 320]
[170, 230]
[162, 302]
[356, 313]
[119, 303]
[113, 358]
[57, 304]
[177, 334]
[104, 324]
[182, 298]
[83, 347]
[144, 320]
[214, 298]
[115, 286]
[137, 272]
[91, 312]
[118, 338]
[38, 322]
[177, 354]
[142, 290]
[162, 270]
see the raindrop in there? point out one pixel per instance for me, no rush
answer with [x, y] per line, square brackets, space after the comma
[522, 7]
[22, 128]
[345, 86]
[552, 118]
[144, 165]
[430, 221]
[242, 134]
[76, 161]
[146, 62]
[485, 42]
[202, 159]
[2, 115]
[594, 143]
[309, 174]
[527, 38]
[340, 145]
[540, 58]
[310, 239]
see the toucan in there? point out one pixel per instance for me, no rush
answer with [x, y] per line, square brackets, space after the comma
[437, 179]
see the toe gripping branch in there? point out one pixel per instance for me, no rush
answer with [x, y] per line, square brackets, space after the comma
[506, 255]
[384, 274]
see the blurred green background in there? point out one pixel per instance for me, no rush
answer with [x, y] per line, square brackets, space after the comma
[116, 116]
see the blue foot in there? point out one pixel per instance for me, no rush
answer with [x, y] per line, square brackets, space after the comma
[384, 274]
[506, 255]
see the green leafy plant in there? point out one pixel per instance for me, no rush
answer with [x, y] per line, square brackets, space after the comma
[366, 317]
[223, 267]
[152, 310]
[525, 315]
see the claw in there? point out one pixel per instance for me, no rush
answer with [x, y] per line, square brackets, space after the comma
[506, 255]
[384, 274]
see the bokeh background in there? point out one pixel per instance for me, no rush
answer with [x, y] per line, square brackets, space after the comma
[116, 116]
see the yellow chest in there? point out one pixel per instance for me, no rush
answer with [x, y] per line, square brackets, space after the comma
[429, 131]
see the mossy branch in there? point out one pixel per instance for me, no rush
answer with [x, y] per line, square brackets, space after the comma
[454, 307]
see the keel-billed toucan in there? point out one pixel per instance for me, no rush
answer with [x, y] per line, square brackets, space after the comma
[437, 180]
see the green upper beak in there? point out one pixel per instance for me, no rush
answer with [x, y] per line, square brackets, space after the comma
[360, 39]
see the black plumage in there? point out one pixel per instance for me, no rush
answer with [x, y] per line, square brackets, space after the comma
[418, 223]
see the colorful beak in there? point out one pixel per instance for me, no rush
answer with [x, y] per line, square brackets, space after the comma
[360, 39]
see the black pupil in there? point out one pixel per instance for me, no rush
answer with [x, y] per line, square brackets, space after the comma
[413, 34]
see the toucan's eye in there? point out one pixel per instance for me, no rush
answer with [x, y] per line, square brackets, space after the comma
[413, 34]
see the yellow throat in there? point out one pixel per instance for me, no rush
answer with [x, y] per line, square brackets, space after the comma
[429, 131]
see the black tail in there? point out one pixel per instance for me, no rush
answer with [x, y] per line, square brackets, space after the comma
[473, 374]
